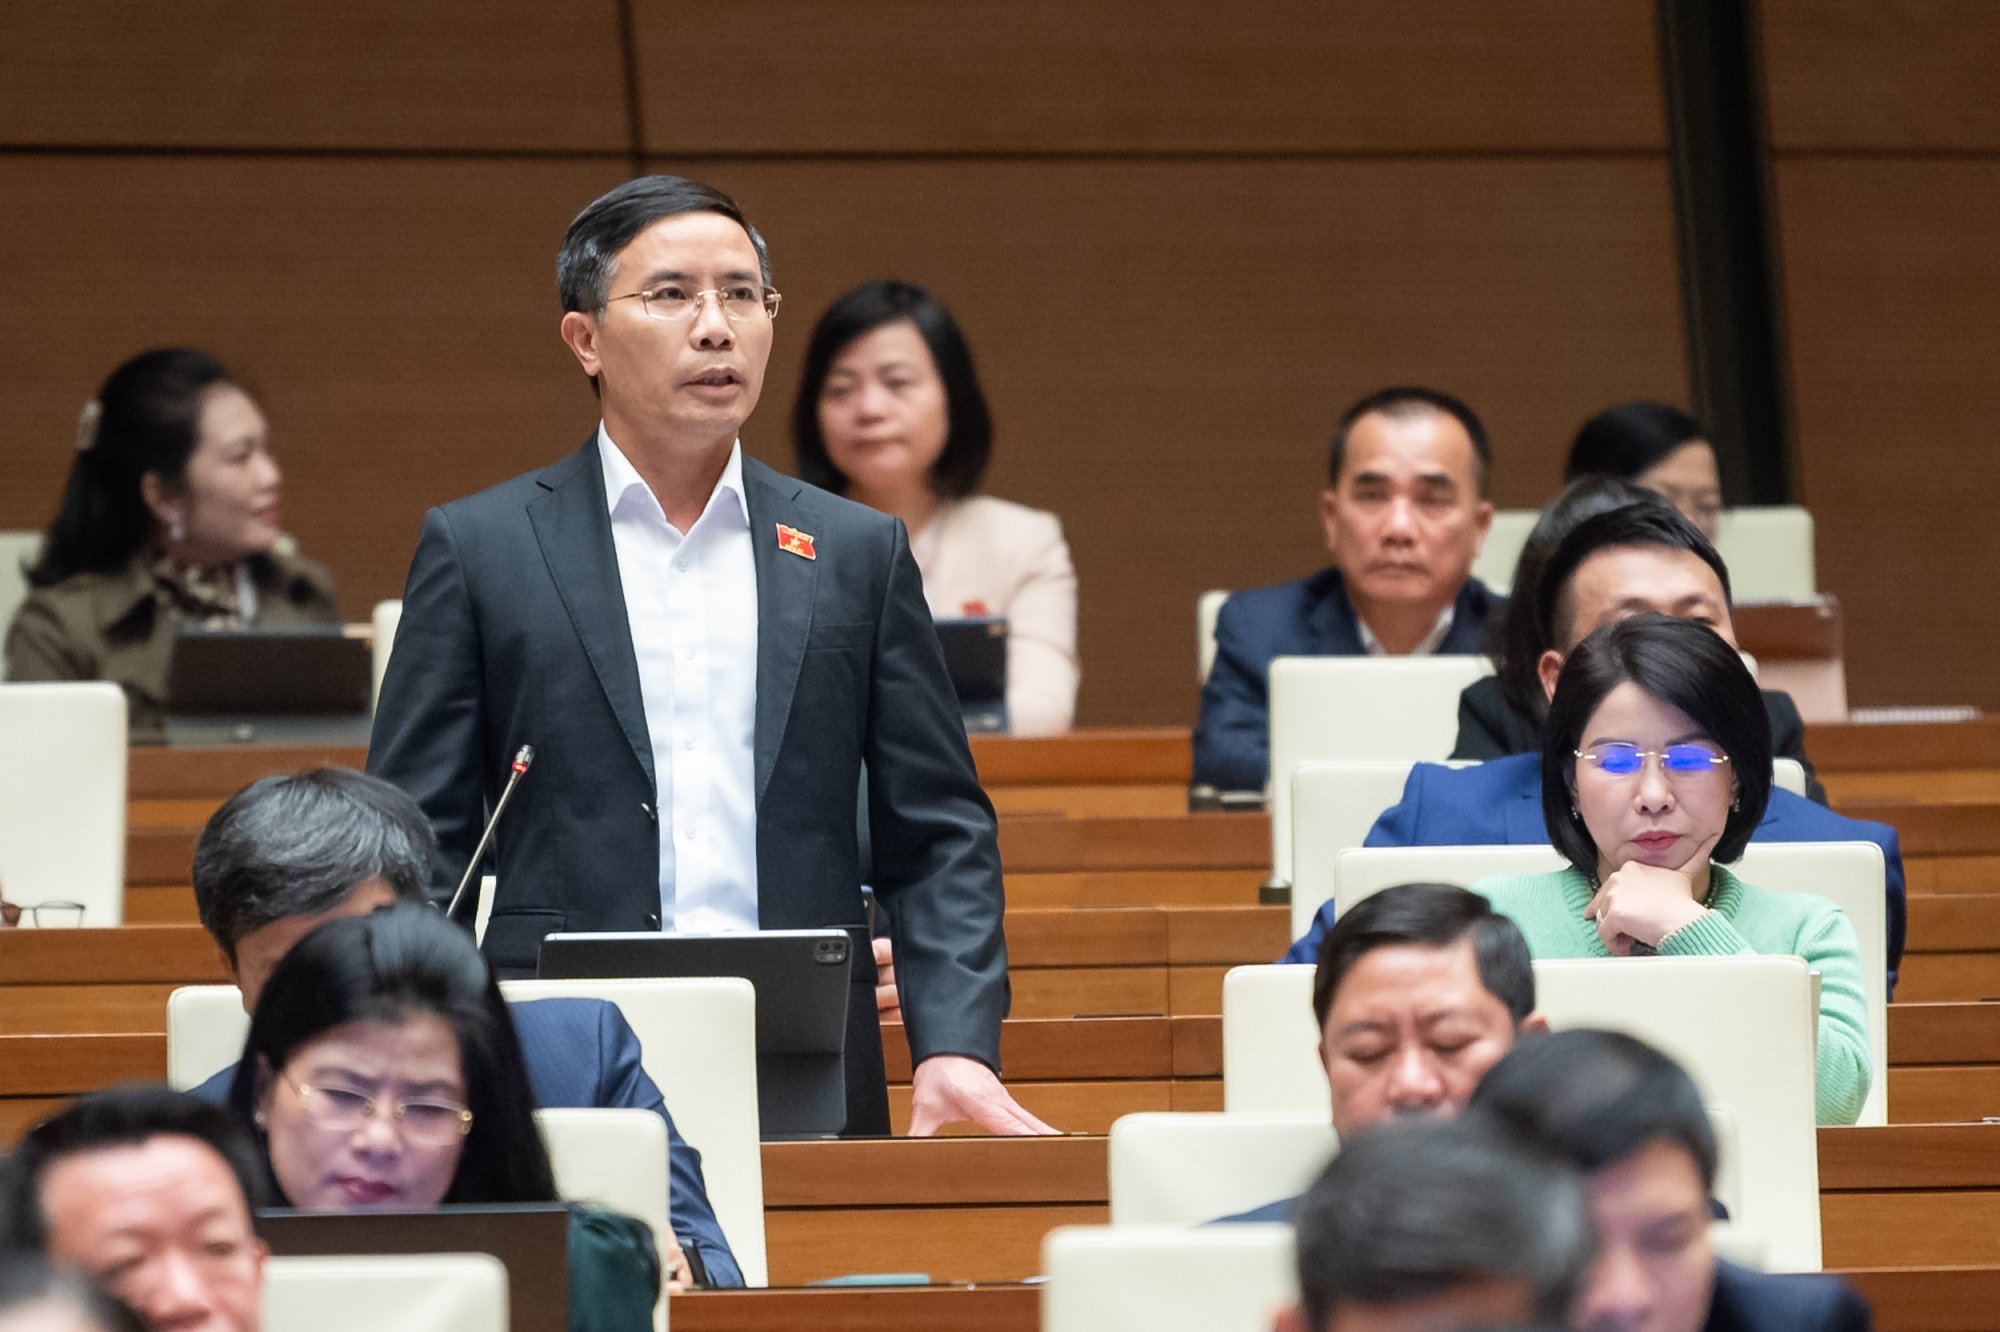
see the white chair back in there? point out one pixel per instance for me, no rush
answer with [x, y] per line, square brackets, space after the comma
[1760, 1072]
[616, 1160]
[388, 615]
[1769, 552]
[403, 1292]
[698, 1044]
[17, 551]
[1182, 1168]
[1358, 708]
[1495, 563]
[1156, 1279]
[62, 797]
[1206, 607]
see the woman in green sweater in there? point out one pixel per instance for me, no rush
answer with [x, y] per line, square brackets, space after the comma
[1656, 764]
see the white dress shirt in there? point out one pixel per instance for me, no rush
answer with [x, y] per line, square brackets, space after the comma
[691, 599]
[1428, 647]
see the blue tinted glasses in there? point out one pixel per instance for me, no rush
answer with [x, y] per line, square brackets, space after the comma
[1625, 760]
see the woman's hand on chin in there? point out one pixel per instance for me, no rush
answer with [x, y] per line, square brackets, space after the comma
[1643, 904]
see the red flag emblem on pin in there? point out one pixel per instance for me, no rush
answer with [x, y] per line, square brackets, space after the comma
[794, 542]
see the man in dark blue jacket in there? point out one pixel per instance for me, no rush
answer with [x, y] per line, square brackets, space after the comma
[286, 854]
[1405, 512]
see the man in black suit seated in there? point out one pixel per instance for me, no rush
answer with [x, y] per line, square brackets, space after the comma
[1405, 512]
[1426, 1226]
[1631, 1120]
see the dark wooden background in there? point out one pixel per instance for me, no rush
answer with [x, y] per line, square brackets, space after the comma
[1182, 236]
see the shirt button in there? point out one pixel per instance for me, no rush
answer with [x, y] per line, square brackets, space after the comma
[688, 743]
[682, 565]
[688, 833]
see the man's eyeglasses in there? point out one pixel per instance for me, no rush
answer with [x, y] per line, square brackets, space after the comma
[42, 915]
[673, 302]
[428, 1121]
[1684, 760]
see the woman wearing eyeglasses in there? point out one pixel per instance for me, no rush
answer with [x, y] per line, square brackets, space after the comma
[382, 1072]
[1656, 764]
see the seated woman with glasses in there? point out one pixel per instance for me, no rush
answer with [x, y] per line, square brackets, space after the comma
[889, 413]
[170, 517]
[1656, 764]
[382, 1072]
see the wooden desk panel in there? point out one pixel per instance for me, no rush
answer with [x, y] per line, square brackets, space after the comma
[1191, 841]
[1846, 747]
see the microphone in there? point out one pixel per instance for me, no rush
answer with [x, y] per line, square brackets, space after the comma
[514, 776]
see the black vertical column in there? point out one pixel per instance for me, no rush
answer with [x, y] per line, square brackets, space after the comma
[1711, 82]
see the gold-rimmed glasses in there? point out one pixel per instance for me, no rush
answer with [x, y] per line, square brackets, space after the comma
[673, 302]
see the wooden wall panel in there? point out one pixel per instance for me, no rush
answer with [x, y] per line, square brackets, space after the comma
[397, 319]
[1915, 75]
[1047, 77]
[492, 75]
[1894, 306]
[1167, 344]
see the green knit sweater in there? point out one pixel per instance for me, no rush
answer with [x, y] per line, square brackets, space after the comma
[1742, 918]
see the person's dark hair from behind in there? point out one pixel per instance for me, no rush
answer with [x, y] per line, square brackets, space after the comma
[1435, 915]
[590, 248]
[1684, 665]
[1408, 400]
[969, 437]
[1595, 1098]
[387, 967]
[1514, 640]
[145, 419]
[121, 1116]
[1410, 1210]
[298, 845]
[1655, 524]
[1629, 439]
[28, 1284]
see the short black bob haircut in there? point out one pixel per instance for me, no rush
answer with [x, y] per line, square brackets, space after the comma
[389, 966]
[297, 845]
[590, 248]
[145, 420]
[968, 444]
[1658, 524]
[1407, 400]
[1410, 1209]
[1629, 439]
[1435, 915]
[1594, 1098]
[1684, 665]
[121, 1116]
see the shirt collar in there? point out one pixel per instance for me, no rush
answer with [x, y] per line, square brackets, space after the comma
[1429, 643]
[622, 479]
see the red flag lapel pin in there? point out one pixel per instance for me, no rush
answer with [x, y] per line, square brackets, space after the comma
[794, 542]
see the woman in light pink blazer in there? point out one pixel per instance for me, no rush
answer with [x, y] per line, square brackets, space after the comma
[889, 413]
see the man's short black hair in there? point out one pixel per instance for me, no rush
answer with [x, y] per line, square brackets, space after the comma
[1436, 915]
[298, 845]
[968, 444]
[1656, 525]
[122, 1116]
[589, 253]
[1411, 1209]
[1595, 1098]
[1402, 402]
[1684, 665]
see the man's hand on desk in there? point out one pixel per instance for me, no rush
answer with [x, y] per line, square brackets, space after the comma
[888, 1006]
[951, 1089]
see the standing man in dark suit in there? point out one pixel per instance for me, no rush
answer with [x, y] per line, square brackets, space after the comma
[1405, 514]
[1632, 1121]
[707, 657]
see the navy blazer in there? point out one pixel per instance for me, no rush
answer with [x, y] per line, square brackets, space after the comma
[1310, 617]
[1499, 803]
[1747, 1301]
[514, 631]
[582, 1053]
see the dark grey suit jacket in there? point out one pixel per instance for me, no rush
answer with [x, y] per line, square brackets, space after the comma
[514, 632]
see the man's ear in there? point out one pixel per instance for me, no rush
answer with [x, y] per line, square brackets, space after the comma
[1549, 668]
[1329, 521]
[1533, 1024]
[1290, 1320]
[228, 966]
[1482, 519]
[579, 333]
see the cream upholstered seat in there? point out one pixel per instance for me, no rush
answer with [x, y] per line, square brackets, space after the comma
[613, 1159]
[1186, 1167]
[405, 1292]
[388, 615]
[1166, 1279]
[62, 799]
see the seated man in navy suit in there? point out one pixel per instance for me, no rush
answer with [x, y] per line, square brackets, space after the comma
[1625, 562]
[286, 854]
[1404, 514]
[1631, 1120]
[1420, 989]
